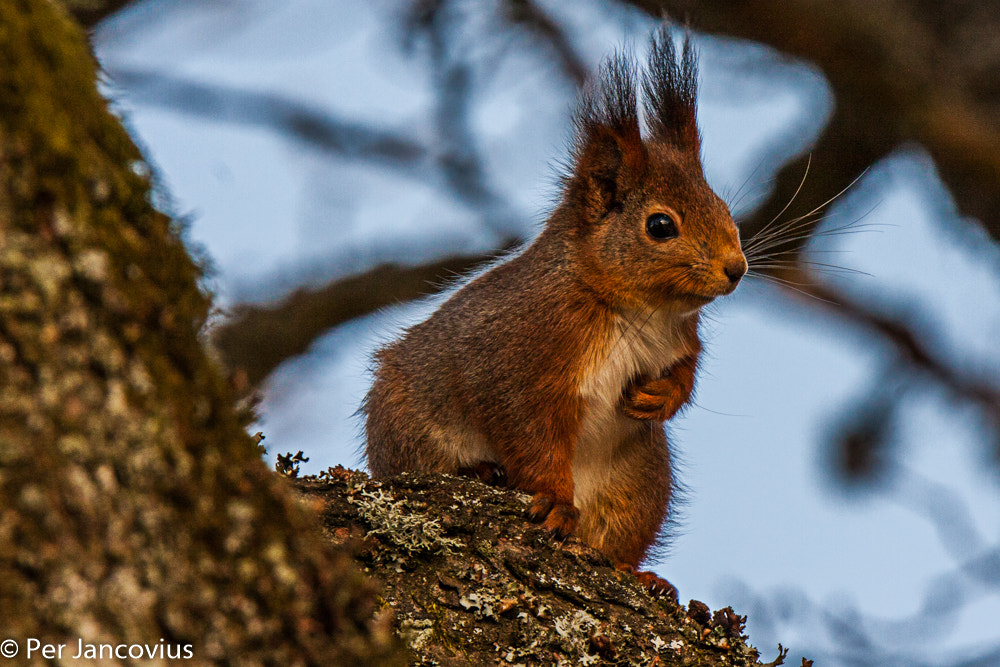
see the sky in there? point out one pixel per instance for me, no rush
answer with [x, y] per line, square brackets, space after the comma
[765, 526]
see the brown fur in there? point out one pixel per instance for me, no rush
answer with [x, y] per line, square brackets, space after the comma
[561, 363]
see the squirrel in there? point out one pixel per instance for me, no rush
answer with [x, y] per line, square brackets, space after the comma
[558, 366]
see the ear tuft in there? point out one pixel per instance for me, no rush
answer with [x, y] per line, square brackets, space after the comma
[671, 87]
[609, 153]
[609, 103]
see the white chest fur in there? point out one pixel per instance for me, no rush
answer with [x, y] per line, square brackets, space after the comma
[639, 342]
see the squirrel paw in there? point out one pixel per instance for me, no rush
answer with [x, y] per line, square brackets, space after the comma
[488, 472]
[659, 398]
[657, 586]
[558, 518]
[648, 398]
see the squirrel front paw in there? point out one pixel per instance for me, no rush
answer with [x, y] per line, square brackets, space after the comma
[647, 398]
[660, 398]
[560, 518]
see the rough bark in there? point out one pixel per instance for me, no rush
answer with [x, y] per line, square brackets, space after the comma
[134, 509]
[471, 582]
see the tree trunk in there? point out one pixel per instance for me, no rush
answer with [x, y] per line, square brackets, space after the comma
[134, 509]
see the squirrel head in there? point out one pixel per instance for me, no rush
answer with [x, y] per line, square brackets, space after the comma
[646, 227]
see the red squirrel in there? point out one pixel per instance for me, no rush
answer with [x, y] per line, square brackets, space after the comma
[560, 364]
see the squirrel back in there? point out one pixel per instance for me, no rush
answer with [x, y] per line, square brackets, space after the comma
[560, 364]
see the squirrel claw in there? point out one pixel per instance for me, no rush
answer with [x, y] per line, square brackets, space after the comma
[645, 415]
[647, 398]
[541, 505]
[488, 472]
[657, 586]
[558, 518]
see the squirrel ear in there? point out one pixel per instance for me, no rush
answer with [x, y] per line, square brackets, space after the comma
[609, 156]
[606, 168]
[671, 87]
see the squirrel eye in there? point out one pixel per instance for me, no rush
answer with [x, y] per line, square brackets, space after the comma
[661, 227]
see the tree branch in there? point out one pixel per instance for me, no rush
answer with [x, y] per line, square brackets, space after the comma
[914, 352]
[473, 583]
[311, 125]
[528, 16]
[91, 12]
[255, 339]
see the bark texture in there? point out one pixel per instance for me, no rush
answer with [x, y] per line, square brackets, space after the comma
[133, 506]
[471, 582]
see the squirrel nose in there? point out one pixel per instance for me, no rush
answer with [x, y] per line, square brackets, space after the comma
[735, 270]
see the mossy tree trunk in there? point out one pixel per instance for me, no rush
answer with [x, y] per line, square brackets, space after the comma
[133, 506]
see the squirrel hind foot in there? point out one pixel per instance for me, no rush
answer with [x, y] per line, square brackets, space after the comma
[488, 472]
[657, 586]
[559, 518]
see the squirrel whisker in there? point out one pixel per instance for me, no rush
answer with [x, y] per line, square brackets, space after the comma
[788, 284]
[767, 238]
[785, 207]
[734, 200]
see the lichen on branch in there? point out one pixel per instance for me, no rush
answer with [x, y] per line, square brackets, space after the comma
[478, 584]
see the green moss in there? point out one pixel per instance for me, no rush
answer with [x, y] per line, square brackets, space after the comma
[135, 505]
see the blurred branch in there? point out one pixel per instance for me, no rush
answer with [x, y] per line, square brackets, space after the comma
[953, 522]
[258, 338]
[528, 16]
[914, 352]
[439, 23]
[314, 126]
[91, 12]
[856, 638]
[903, 70]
